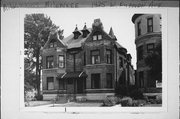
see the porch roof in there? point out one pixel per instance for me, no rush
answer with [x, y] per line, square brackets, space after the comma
[69, 75]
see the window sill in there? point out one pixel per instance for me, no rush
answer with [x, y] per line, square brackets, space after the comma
[98, 64]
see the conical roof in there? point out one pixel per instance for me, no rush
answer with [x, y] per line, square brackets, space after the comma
[111, 33]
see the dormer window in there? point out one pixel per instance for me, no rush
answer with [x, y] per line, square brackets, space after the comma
[76, 33]
[85, 31]
[76, 36]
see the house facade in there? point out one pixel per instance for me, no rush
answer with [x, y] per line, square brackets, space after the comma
[147, 37]
[89, 63]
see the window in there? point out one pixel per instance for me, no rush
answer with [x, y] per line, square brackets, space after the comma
[95, 57]
[94, 37]
[150, 25]
[50, 83]
[139, 28]
[109, 80]
[108, 56]
[49, 62]
[95, 81]
[76, 36]
[61, 84]
[141, 78]
[150, 47]
[53, 43]
[140, 52]
[97, 37]
[61, 61]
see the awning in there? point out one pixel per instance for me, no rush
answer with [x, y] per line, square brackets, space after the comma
[69, 75]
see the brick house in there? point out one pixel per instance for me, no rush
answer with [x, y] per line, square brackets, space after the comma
[89, 63]
[147, 37]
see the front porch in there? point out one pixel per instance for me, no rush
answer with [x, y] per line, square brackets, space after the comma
[68, 86]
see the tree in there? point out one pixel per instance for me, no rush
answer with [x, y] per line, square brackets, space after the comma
[36, 31]
[154, 61]
[29, 76]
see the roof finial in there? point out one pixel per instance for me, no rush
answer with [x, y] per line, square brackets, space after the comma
[85, 26]
[76, 29]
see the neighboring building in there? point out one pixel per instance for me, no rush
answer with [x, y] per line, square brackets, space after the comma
[147, 37]
[89, 63]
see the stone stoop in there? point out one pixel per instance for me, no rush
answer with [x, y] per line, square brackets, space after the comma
[61, 99]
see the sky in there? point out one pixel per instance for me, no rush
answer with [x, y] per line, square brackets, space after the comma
[118, 19]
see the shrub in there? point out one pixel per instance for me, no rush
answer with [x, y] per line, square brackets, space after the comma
[111, 100]
[39, 97]
[126, 101]
[121, 90]
[136, 94]
[159, 101]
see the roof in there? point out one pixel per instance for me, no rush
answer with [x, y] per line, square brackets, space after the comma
[118, 45]
[135, 16]
[75, 43]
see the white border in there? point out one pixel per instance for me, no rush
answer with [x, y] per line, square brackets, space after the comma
[13, 84]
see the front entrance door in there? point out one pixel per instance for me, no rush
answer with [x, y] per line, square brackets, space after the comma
[80, 86]
[70, 86]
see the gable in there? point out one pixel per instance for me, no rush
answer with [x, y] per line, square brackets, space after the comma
[54, 41]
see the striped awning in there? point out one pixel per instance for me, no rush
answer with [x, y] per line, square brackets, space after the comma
[69, 75]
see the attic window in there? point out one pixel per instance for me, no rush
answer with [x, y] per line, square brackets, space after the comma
[97, 36]
[53, 43]
[94, 37]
